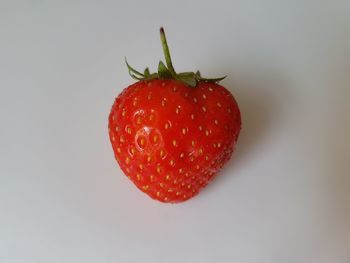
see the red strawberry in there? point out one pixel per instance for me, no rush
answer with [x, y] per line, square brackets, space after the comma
[172, 132]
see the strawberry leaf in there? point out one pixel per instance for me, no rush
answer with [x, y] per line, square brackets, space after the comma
[132, 70]
[163, 71]
[167, 71]
[189, 78]
[212, 79]
[146, 73]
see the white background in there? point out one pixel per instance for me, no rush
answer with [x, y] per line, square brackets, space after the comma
[285, 197]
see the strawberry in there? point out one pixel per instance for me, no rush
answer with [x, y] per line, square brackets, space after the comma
[172, 132]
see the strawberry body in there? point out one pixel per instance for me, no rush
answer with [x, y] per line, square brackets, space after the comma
[171, 139]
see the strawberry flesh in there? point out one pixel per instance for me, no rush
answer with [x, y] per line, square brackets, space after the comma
[171, 139]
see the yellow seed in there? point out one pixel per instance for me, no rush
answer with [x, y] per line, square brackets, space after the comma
[189, 186]
[133, 151]
[207, 133]
[172, 162]
[229, 110]
[138, 176]
[167, 177]
[127, 170]
[167, 125]
[210, 89]
[127, 160]
[182, 155]
[184, 196]
[200, 151]
[174, 143]
[204, 96]
[218, 104]
[117, 129]
[177, 110]
[219, 145]
[197, 167]
[214, 145]
[186, 94]
[123, 113]
[145, 187]
[118, 150]
[166, 199]
[141, 166]
[152, 178]
[204, 109]
[158, 194]
[175, 89]
[134, 103]
[129, 130]
[142, 142]
[178, 193]
[184, 131]
[206, 157]
[138, 120]
[151, 117]
[192, 116]
[187, 175]
[163, 102]
[216, 122]
[121, 139]
[175, 181]
[181, 171]
[170, 190]
[200, 127]
[163, 84]
[195, 100]
[161, 185]
[149, 158]
[149, 97]
[155, 138]
[193, 143]
[149, 84]
[161, 153]
[158, 169]
[191, 159]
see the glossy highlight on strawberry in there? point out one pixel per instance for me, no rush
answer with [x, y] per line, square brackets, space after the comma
[171, 135]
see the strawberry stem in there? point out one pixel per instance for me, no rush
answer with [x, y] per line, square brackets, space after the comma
[166, 52]
[167, 71]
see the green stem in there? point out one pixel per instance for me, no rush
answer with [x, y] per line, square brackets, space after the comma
[167, 71]
[166, 52]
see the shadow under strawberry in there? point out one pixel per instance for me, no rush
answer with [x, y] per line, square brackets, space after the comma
[260, 112]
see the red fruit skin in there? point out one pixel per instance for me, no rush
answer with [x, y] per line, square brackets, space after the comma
[171, 139]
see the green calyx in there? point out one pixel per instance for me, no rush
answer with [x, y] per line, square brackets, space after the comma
[167, 71]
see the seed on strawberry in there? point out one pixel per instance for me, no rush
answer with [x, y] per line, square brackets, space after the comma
[172, 132]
